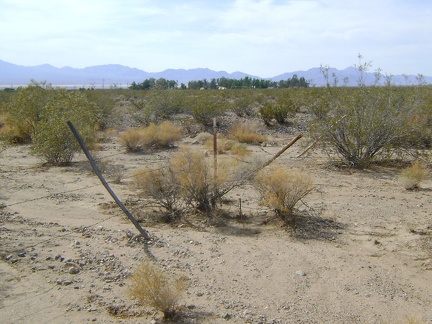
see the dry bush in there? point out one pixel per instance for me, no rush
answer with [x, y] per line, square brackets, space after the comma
[412, 176]
[196, 175]
[116, 173]
[156, 136]
[281, 190]
[162, 187]
[246, 133]
[153, 288]
[189, 180]
[131, 138]
[203, 137]
[236, 148]
[225, 145]
[166, 134]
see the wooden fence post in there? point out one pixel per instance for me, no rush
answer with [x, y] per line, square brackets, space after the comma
[105, 184]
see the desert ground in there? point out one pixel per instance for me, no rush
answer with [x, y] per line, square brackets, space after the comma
[361, 250]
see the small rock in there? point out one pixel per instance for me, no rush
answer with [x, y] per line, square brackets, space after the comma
[74, 270]
[227, 316]
[22, 254]
[301, 273]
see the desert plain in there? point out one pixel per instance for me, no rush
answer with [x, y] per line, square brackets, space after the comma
[360, 252]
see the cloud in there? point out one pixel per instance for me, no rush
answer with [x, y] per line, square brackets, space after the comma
[261, 37]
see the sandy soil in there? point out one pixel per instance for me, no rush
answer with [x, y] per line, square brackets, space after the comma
[361, 253]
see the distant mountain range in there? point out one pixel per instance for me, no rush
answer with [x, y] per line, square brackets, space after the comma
[115, 75]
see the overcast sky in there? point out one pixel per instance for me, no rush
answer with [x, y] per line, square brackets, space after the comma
[263, 38]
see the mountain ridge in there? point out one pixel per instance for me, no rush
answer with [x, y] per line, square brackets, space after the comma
[120, 75]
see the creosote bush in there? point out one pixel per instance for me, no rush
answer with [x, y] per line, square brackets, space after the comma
[53, 139]
[278, 110]
[358, 124]
[153, 136]
[23, 111]
[412, 176]
[206, 105]
[281, 190]
[243, 106]
[153, 288]
[37, 114]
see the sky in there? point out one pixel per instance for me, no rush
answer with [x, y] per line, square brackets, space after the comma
[264, 38]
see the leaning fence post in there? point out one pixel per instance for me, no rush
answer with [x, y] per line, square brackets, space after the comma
[105, 184]
[281, 151]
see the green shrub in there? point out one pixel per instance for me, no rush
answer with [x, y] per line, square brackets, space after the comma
[38, 114]
[358, 124]
[206, 105]
[53, 139]
[23, 111]
[278, 109]
[165, 103]
[104, 100]
[153, 288]
[243, 106]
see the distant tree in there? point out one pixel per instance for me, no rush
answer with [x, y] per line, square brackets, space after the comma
[213, 84]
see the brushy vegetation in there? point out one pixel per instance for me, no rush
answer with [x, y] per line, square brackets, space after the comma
[412, 176]
[358, 124]
[281, 190]
[162, 188]
[279, 109]
[202, 187]
[244, 105]
[226, 145]
[38, 113]
[189, 179]
[153, 136]
[53, 139]
[155, 289]
[246, 132]
[206, 105]
[23, 111]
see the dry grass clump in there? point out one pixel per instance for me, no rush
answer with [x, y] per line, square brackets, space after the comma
[153, 288]
[281, 190]
[246, 133]
[152, 136]
[225, 146]
[412, 176]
